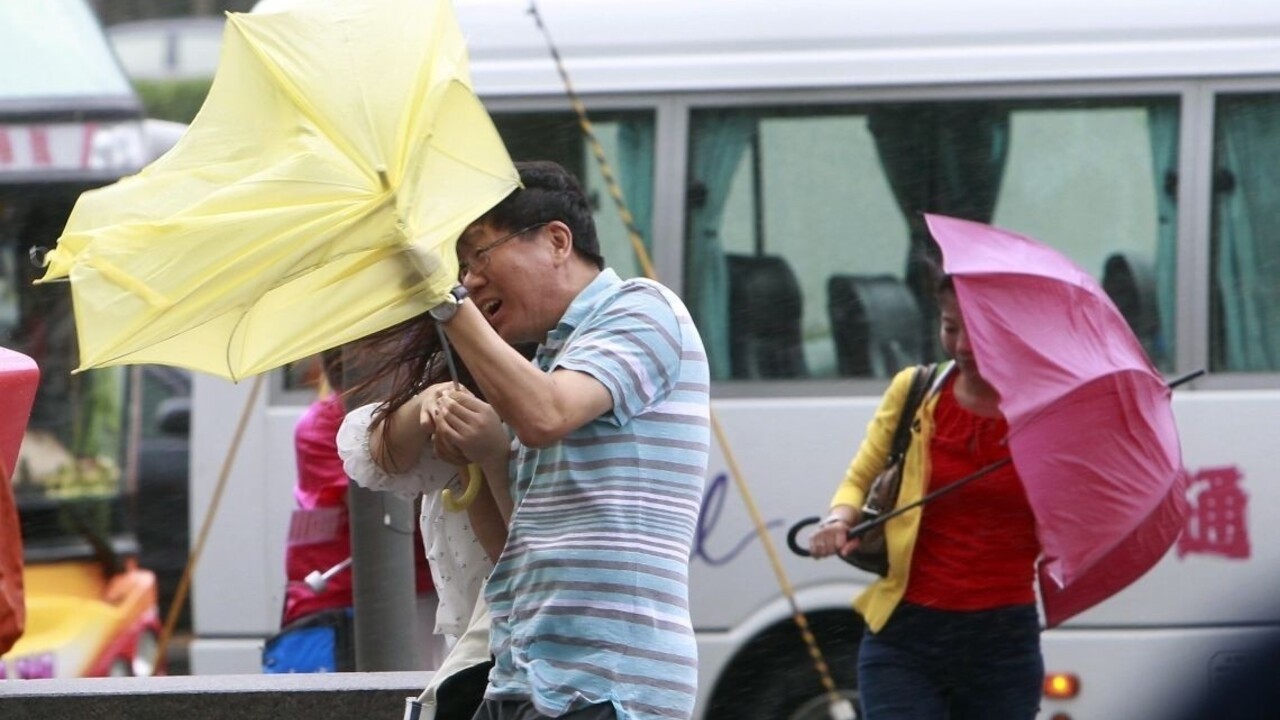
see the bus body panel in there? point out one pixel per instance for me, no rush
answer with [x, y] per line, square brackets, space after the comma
[725, 45]
[1212, 593]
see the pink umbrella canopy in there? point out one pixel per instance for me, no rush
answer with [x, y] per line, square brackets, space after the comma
[1091, 430]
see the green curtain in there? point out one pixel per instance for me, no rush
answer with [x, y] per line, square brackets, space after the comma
[1246, 253]
[719, 140]
[635, 176]
[946, 159]
[1162, 124]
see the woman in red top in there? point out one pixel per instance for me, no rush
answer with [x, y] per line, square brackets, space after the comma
[964, 641]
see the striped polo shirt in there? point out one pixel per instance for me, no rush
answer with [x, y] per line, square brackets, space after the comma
[590, 599]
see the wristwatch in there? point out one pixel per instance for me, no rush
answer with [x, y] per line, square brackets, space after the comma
[445, 311]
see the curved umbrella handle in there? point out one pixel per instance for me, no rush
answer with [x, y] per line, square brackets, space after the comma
[795, 531]
[475, 478]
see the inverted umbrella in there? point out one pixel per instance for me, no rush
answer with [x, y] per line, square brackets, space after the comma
[316, 198]
[1091, 429]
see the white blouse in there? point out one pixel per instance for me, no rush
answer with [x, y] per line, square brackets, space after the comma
[459, 564]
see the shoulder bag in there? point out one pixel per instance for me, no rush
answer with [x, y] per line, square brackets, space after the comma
[872, 553]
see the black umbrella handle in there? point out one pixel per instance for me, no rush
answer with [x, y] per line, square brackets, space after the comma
[855, 531]
[795, 531]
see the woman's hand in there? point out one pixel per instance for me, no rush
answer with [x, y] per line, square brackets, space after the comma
[470, 427]
[397, 443]
[429, 405]
[832, 536]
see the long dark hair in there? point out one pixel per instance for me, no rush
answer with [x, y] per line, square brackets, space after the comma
[395, 364]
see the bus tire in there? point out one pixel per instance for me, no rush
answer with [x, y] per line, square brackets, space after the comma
[773, 678]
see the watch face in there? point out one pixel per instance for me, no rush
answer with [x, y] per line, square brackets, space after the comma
[445, 311]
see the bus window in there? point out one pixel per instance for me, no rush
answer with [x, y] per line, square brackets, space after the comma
[1097, 180]
[627, 138]
[1244, 319]
[828, 201]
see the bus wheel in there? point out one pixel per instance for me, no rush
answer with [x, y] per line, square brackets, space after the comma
[773, 678]
[819, 708]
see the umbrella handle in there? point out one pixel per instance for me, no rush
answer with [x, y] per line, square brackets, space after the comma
[795, 531]
[475, 478]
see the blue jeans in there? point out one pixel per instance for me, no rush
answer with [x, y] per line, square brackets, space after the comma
[941, 665]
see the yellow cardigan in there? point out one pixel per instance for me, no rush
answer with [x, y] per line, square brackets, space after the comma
[878, 601]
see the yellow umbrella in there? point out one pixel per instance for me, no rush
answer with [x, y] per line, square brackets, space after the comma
[316, 198]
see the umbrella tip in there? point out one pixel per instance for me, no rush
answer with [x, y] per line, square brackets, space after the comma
[39, 255]
[382, 178]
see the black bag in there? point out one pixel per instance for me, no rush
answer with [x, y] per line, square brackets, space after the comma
[872, 553]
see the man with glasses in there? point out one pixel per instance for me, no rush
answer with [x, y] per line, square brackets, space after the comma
[589, 600]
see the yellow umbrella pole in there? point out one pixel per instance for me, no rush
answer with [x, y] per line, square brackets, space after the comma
[472, 473]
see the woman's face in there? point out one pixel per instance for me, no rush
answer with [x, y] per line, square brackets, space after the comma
[955, 339]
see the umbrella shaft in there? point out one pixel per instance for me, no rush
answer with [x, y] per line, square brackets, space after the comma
[448, 353]
[878, 519]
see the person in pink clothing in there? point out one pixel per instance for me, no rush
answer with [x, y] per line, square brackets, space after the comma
[319, 536]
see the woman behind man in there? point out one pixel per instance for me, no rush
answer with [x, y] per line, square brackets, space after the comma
[952, 631]
[406, 365]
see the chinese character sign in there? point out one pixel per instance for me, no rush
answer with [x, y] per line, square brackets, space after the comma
[1217, 523]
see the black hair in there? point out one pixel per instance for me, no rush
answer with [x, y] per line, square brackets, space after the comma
[549, 192]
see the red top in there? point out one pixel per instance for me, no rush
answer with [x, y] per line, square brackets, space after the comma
[977, 546]
[320, 534]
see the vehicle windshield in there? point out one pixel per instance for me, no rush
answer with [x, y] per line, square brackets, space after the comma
[69, 121]
[68, 57]
[68, 477]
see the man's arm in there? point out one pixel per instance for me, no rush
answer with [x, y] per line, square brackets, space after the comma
[540, 408]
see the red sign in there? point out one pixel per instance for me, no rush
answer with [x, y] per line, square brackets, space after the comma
[1217, 523]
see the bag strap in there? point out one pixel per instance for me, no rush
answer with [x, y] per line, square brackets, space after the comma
[921, 383]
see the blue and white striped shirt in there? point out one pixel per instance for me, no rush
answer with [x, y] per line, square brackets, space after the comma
[590, 599]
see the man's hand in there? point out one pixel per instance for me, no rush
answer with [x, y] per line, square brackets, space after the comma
[470, 426]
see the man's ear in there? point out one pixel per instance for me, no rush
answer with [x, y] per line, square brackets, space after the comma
[561, 239]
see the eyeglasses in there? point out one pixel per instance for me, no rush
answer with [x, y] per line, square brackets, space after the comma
[480, 257]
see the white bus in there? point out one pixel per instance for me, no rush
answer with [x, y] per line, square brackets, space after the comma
[778, 157]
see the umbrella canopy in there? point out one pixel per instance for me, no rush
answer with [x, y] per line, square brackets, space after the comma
[1091, 430]
[316, 198]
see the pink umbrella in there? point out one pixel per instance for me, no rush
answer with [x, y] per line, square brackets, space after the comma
[1091, 429]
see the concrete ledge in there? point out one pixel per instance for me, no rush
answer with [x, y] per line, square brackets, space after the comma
[332, 696]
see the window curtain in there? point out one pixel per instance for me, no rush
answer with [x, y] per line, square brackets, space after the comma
[946, 159]
[635, 177]
[1162, 125]
[1246, 253]
[719, 141]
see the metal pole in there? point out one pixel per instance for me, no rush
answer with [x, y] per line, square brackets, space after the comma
[382, 571]
[383, 576]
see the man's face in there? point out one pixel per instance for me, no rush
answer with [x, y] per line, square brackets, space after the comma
[509, 273]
